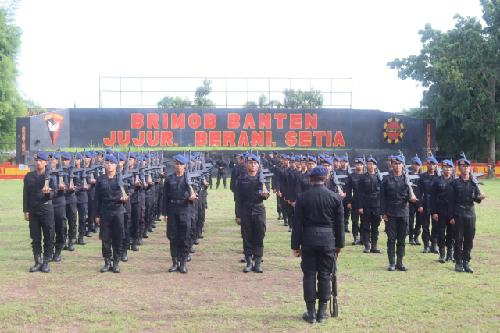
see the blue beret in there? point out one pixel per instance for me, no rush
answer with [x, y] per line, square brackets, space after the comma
[41, 155]
[181, 159]
[464, 161]
[54, 155]
[311, 158]
[122, 157]
[133, 155]
[399, 158]
[447, 163]
[111, 158]
[147, 155]
[371, 159]
[88, 154]
[78, 156]
[319, 171]
[432, 159]
[359, 160]
[344, 158]
[416, 160]
[253, 157]
[66, 156]
[328, 160]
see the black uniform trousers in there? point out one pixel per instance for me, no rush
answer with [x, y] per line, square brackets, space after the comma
[445, 230]
[201, 217]
[236, 206]
[317, 265]
[284, 211]
[148, 214]
[142, 215]
[82, 217]
[426, 233]
[92, 209]
[396, 228]
[370, 221]
[465, 230]
[179, 232]
[127, 225]
[347, 212]
[415, 221]
[60, 227]
[41, 222]
[112, 234]
[71, 211]
[253, 226]
[219, 176]
[278, 206]
[356, 230]
[135, 214]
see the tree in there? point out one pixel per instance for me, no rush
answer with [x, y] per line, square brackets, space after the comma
[302, 99]
[11, 104]
[177, 102]
[460, 71]
[201, 94]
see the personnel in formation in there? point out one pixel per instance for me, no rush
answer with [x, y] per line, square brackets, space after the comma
[317, 236]
[251, 193]
[110, 214]
[394, 199]
[464, 192]
[38, 210]
[221, 166]
[177, 212]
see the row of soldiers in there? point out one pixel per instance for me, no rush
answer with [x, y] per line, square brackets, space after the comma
[427, 208]
[123, 194]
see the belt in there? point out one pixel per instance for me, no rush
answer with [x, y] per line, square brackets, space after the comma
[177, 202]
[320, 229]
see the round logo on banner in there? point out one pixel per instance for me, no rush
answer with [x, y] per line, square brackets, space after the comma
[393, 130]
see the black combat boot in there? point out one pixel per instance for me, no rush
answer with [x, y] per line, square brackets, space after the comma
[355, 241]
[38, 263]
[88, 233]
[116, 266]
[310, 314]
[57, 255]
[71, 245]
[192, 249]
[145, 234]
[411, 241]
[124, 255]
[188, 258]
[134, 246]
[449, 254]
[174, 266]
[426, 247]
[140, 241]
[367, 246]
[279, 216]
[256, 267]
[434, 247]
[80, 240]
[45, 266]
[248, 267]
[391, 266]
[458, 267]
[467, 268]
[442, 255]
[196, 241]
[415, 239]
[107, 265]
[182, 266]
[322, 315]
[374, 248]
[399, 264]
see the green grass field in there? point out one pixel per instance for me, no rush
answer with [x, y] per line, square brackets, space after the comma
[215, 296]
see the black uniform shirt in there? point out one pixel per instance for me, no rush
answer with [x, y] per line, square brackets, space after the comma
[33, 198]
[394, 196]
[175, 193]
[108, 196]
[319, 219]
[369, 192]
[463, 195]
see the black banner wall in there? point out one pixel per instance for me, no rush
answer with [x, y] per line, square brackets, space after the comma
[280, 128]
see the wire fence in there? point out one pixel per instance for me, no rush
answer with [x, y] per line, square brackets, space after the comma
[227, 92]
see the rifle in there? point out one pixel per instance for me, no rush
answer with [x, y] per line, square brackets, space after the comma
[187, 176]
[334, 306]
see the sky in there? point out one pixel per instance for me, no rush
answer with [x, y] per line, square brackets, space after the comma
[68, 44]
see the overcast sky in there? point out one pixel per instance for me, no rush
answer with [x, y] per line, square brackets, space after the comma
[68, 44]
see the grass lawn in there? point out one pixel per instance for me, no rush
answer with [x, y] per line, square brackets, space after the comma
[215, 296]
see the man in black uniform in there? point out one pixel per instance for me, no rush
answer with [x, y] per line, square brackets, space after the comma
[425, 186]
[135, 206]
[71, 209]
[464, 192]
[237, 170]
[251, 193]
[369, 205]
[344, 170]
[318, 236]
[92, 204]
[177, 194]
[441, 192]
[59, 204]
[81, 198]
[110, 214]
[351, 199]
[38, 210]
[221, 171]
[416, 209]
[394, 198]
